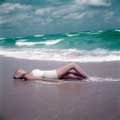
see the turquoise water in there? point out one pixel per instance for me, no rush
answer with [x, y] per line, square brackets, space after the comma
[66, 46]
[109, 40]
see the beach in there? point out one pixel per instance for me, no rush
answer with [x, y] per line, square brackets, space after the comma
[47, 34]
[72, 100]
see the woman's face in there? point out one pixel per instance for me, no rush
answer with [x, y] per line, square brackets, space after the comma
[19, 73]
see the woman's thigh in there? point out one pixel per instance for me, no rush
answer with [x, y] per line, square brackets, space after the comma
[63, 70]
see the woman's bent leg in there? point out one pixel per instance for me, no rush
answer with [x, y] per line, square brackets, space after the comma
[63, 70]
[79, 71]
[67, 68]
[72, 75]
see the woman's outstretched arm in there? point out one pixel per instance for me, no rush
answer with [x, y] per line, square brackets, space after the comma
[29, 76]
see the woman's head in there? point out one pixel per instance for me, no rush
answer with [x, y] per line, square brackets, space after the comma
[19, 73]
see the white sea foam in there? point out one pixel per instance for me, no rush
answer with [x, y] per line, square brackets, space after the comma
[39, 35]
[52, 42]
[62, 55]
[117, 30]
[48, 42]
[2, 38]
[23, 43]
[101, 79]
[93, 33]
[72, 35]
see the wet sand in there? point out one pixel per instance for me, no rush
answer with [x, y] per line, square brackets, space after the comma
[79, 100]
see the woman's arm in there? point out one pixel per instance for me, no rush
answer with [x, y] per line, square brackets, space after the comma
[29, 76]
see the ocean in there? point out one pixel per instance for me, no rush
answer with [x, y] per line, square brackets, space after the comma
[98, 46]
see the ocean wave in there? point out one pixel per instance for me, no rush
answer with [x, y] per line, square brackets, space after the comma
[23, 43]
[102, 79]
[89, 40]
[71, 35]
[117, 30]
[52, 42]
[48, 42]
[63, 55]
[2, 38]
[39, 35]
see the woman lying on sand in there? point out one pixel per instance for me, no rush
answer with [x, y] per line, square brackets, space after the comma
[69, 71]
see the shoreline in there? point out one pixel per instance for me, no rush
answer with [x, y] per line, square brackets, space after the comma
[98, 69]
[57, 61]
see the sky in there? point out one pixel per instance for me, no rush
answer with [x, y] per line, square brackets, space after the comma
[30, 17]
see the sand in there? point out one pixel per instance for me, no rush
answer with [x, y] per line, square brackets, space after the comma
[72, 100]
